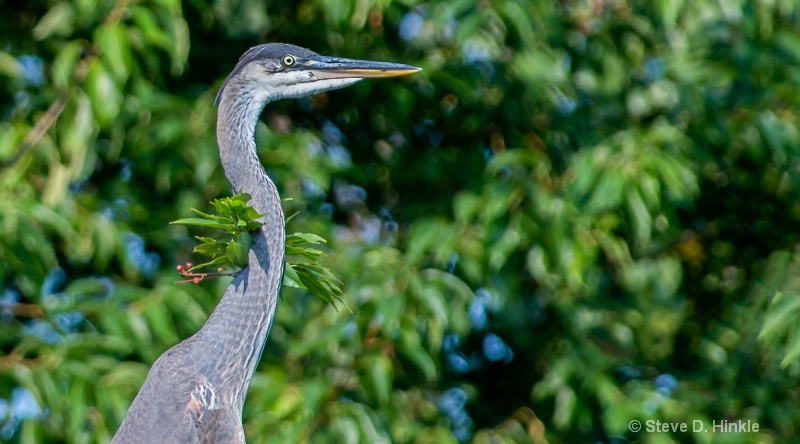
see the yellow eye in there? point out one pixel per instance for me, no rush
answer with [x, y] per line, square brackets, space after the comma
[288, 60]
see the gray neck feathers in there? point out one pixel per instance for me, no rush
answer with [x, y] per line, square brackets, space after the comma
[238, 114]
[237, 329]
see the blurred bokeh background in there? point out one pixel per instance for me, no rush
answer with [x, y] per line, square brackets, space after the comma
[581, 213]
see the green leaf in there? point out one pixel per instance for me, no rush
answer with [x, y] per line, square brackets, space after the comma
[223, 206]
[289, 218]
[242, 197]
[199, 222]
[105, 96]
[211, 249]
[410, 346]
[465, 206]
[378, 377]
[237, 254]
[298, 238]
[253, 225]
[64, 66]
[792, 352]
[308, 253]
[245, 240]
[59, 20]
[115, 50]
[250, 213]
[320, 282]
[204, 215]
[290, 277]
[220, 261]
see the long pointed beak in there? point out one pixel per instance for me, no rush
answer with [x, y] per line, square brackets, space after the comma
[336, 68]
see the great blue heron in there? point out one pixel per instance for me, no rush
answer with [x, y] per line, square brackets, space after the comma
[195, 391]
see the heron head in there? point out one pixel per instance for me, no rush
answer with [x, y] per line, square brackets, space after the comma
[280, 71]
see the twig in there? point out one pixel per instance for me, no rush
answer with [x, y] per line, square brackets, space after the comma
[49, 118]
[14, 359]
[23, 310]
[196, 278]
[37, 132]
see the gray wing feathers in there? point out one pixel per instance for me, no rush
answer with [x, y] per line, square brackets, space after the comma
[223, 426]
[179, 405]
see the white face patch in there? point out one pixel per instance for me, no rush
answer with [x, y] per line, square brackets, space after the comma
[272, 83]
[315, 87]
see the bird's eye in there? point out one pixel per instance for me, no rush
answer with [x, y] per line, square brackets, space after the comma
[288, 60]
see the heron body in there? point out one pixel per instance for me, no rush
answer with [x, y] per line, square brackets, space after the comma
[195, 391]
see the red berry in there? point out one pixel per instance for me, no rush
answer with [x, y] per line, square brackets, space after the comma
[188, 265]
[179, 268]
[196, 280]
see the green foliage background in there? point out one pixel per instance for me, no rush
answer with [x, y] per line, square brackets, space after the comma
[581, 213]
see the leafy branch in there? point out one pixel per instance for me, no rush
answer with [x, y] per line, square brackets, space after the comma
[236, 220]
[304, 272]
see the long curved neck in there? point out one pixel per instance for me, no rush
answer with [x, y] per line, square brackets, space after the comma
[237, 329]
